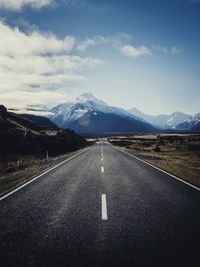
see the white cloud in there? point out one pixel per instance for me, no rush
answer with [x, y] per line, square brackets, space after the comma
[22, 100]
[115, 41]
[82, 46]
[19, 4]
[134, 52]
[34, 66]
[167, 50]
[16, 43]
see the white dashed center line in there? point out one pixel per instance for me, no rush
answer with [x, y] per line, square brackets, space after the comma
[104, 214]
[102, 169]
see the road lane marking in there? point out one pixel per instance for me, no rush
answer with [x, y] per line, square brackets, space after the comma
[102, 169]
[40, 175]
[104, 213]
[102, 159]
[157, 168]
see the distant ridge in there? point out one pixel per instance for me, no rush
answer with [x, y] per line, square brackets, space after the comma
[162, 121]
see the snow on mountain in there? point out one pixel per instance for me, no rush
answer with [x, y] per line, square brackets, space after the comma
[191, 124]
[196, 119]
[163, 121]
[91, 102]
[71, 111]
[86, 108]
[176, 118]
[89, 97]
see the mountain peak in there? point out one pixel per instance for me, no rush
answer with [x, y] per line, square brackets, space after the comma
[86, 97]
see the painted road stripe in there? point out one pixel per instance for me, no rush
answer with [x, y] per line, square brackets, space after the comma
[30, 181]
[161, 170]
[102, 169]
[104, 214]
[102, 159]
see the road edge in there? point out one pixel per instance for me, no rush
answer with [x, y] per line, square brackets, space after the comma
[159, 169]
[43, 173]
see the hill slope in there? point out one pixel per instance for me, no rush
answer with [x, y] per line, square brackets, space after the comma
[23, 136]
[108, 123]
[41, 121]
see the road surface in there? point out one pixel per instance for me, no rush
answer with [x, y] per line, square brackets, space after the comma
[101, 208]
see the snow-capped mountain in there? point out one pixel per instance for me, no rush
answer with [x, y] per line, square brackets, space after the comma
[162, 121]
[87, 114]
[192, 124]
[176, 118]
[71, 111]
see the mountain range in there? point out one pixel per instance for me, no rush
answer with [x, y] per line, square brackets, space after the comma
[162, 121]
[87, 114]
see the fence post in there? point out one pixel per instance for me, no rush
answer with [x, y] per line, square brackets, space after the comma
[47, 156]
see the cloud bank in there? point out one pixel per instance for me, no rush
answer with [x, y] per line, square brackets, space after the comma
[35, 67]
[17, 5]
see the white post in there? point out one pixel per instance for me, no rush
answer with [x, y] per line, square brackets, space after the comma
[152, 151]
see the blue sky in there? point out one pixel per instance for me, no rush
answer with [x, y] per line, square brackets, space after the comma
[143, 54]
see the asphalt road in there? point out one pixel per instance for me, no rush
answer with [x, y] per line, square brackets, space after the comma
[92, 212]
